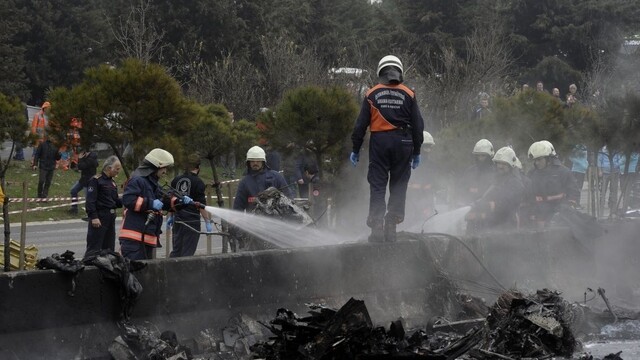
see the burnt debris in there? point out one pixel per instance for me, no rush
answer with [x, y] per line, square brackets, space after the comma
[518, 326]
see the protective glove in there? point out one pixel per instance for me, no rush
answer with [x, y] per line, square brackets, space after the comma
[157, 205]
[354, 157]
[187, 200]
[415, 161]
[209, 226]
[170, 221]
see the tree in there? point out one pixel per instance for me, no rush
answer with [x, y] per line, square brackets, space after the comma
[13, 125]
[135, 104]
[12, 75]
[62, 39]
[138, 36]
[319, 119]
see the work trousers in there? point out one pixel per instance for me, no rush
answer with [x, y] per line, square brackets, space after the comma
[44, 182]
[75, 190]
[103, 237]
[389, 163]
[135, 250]
[185, 240]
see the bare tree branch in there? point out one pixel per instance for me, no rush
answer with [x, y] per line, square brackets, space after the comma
[137, 35]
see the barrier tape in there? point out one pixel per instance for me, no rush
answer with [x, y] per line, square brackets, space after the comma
[39, 208]
[46, 199]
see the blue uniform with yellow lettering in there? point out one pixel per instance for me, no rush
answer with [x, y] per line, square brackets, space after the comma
[102, 202]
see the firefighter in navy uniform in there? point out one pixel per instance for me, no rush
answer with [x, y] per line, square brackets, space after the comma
[551, 183]
[498, 207]
[477, 178]
[102, 202]
[390, 111]
[144, 201]
[421, 188]
[184, 239]
[258, 178]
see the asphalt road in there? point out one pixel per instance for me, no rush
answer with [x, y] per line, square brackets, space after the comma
[51, 237]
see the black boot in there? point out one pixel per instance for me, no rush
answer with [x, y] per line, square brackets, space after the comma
[377, 231]
[390, 230]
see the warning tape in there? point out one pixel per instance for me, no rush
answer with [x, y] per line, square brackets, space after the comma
[40, 208]
[46, 199]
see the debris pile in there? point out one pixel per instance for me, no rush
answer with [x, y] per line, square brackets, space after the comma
[115, 267]
[138, 342]
[64, 263]
[273, 203]
[519, 326]
[538, 325]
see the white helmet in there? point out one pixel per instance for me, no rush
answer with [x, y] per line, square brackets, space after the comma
[483, 147]
[506, 155]
[256, 154]
[428, 139]
[159, 158]
[540, 149]
[390, 60]
[518, 163]
[553, 150]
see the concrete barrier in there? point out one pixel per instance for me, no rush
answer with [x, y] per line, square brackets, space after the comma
[187, 295]
[42, 321]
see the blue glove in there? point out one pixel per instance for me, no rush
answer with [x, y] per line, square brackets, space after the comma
[170, 221]
[157, 204]
[209, 226]
[354, 157]
[415, 161]
[187, 200]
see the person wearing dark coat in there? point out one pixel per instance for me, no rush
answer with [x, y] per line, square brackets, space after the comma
[552, 184]
[144, 200]
[498, 206]
[102, 202]
[87, 165]
[45, 158]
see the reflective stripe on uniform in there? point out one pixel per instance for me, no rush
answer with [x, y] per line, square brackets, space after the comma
[550, 197]
[139, 203]
[137, 236]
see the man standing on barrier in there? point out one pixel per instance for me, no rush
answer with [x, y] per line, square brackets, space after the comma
[390, 111]
[186, 231]
[102, 202]
[144, 201]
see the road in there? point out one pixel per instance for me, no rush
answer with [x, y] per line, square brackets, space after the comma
[58, 236]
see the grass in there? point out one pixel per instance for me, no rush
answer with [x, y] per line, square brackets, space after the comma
[20, 171]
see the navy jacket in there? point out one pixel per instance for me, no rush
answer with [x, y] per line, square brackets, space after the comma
[254, 183]
[88, 166]
[389, 107]
[102, 194]
[137, 200]
[46, 156]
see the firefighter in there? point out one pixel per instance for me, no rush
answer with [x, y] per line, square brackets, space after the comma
[478, 177]
[498, 206]
[390, 111]
[102, 202]
[143, 200]
[184, 239]
[258, 178]
[551, 183]
[421, 189]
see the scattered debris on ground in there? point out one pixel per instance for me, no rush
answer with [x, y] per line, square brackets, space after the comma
[115, 267]
[64, 263]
